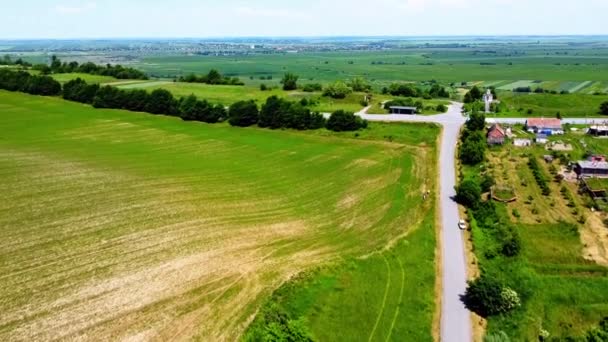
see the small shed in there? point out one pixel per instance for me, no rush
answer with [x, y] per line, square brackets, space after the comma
[522, 142]
[541, 139]
[403, 110]
[496, 135]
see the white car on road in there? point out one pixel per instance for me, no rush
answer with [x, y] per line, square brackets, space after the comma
[462, 225]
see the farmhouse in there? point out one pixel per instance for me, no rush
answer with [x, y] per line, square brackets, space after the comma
[591, 169]
[496, 135]
[598, 130]
[403, 110]
[522, 142]
[544, 126]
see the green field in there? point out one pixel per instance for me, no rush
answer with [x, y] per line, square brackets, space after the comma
[228, 95]
[568, 105]
[63, 78]
[448, 65]
[120, 225]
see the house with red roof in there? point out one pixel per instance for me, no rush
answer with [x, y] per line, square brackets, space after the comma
[544, 126]
[496, 135]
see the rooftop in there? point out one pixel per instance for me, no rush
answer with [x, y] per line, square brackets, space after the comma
[403, 107]
[585, 164]
[544, 123]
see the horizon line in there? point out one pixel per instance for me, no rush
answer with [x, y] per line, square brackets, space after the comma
[311, 37]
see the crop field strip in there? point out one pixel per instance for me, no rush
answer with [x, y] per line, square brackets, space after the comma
[119, 225]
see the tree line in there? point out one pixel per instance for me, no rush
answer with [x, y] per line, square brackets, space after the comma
[7, 60]
[408, 90]
[116, 71]
[212, 77]
[275, 113]
[25, 82]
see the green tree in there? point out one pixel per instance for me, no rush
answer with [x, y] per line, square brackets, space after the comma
[468, 193]
[214, 77]
[473, 95]
[290, 81]
[487, 182]
[243, 114]
[161, 101]
[441, 108]
[340, 121]
[604, 108]
[473, 148]
[359, 84]
[476, 122]
[486, 296]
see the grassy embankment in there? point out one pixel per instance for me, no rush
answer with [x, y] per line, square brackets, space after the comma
[130, 225]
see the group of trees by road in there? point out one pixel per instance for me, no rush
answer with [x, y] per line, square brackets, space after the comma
[278, 113]
[487, 295]
[212, 77]
[473, 140]
[275, 113]
[7, 60]
[116, 71]
[159, 101]
[27, 83]
[409, 90]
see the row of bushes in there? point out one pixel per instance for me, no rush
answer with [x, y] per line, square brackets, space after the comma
[473, 141]
[7, 60]
[26, 83]
[213, 77]
[539, 176]
[116, 71]
[408, 90]
[275, 113]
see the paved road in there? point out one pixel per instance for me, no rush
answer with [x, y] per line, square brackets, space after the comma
[455, 318]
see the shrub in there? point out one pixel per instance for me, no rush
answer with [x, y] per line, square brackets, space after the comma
[486, 296]
[345, 121]
[441, 108]
[516, 213]
[243, 114]
[359, 84]
[290, 81]
[310, 87]
[337, 90]
[604, 108]
[468, 193]
[487, 182]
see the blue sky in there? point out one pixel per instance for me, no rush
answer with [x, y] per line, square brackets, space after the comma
[221, 18]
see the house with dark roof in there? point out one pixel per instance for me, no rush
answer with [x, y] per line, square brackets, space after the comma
[544, 126]
[591, 169]
[496, 135]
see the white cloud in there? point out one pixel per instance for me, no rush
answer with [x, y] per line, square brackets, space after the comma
[75, 9]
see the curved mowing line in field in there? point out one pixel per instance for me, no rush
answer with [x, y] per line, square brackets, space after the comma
[388, 285]
[390, 332]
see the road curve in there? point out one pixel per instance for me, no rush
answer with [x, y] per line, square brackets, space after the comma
[455, 318]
